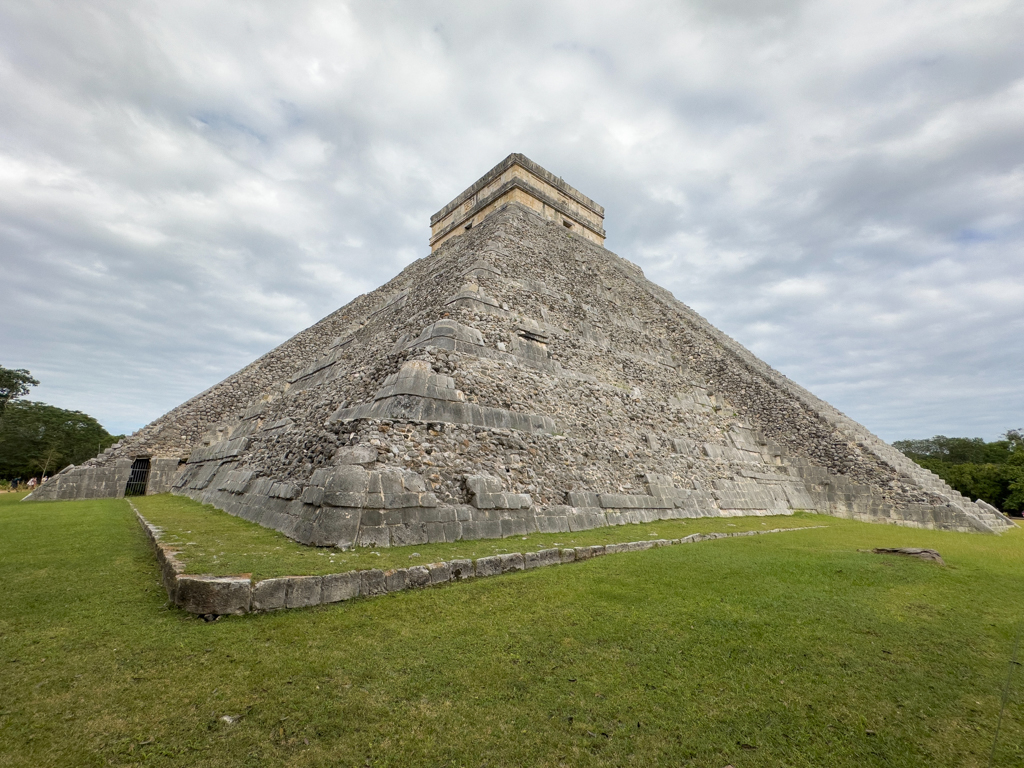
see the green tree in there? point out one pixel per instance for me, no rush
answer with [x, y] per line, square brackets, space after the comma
[993, 472]
[1015, 500]
[957, 450]
[36, 438]
[14, 383]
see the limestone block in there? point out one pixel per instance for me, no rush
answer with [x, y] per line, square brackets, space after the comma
[371, 583]
[348, 479]
[333, 527]
[343, 499]
[374, 536]
[284, 491]
[585, 518]
[442, 532]
[481, 529]
[461, 570]
[541, 559]
[396, 579]
[490, 501]
[373, 500]
[356, 454]
[408, 499]
[438, 514]
[391, 482]
[568, 556]
[336, 587]
[625, 501]
[312, 495]
[414, 482]
[377, 517]
[488, 566]
[728, 453]
[418, 576]
[513, 561]
[408, 534]
[269, 594]
[623, 517]
[518, 501]
[262, 486]
[303, 591]
[477, 484]
[585, 553]
[685, 447]
[218, 595]
[517, 526]
[798, 497]
[201, 479]
[549, 523]
[440, 573]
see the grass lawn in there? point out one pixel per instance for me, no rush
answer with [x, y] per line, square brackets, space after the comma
[785, 650]
[213, 541]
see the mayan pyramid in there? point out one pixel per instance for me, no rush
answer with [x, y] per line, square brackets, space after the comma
[519, 378]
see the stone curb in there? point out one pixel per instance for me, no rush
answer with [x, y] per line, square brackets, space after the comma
[220, 595]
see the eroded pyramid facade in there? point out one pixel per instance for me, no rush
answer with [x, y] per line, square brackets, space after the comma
[519, 378]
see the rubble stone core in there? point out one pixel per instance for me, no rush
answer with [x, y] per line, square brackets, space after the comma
[520, 378]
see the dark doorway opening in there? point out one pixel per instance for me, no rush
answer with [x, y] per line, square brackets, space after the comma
[138, 478]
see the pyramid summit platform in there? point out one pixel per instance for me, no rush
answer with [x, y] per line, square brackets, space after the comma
[520, 378]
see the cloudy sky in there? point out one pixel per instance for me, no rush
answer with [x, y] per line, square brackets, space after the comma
[837, 185]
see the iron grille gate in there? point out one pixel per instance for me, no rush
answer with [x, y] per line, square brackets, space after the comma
[138, 478]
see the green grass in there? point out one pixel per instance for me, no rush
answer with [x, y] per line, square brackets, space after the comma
[213, 541]
[781, 650]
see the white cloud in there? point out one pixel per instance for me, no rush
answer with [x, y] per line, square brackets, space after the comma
[838, 186]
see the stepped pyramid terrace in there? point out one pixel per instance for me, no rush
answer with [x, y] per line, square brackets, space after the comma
[519, 378]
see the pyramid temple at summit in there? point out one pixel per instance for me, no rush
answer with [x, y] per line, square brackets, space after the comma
[519, 378]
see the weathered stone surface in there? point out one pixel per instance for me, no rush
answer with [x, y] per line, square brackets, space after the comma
[303, 591]
[418, 576]
[542, 558]
[269, 594]
[339, 586]
[511, 562]
[356, 454]
[585, 553]
[372, 583]
[219, 595]
[517, 377]
[462, 570]
[488, 566]
[440, 573]
[396, 579]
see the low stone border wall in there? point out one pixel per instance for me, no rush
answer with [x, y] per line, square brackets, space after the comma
[222, 595]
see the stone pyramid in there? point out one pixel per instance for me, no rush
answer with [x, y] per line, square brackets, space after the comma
[519, 378]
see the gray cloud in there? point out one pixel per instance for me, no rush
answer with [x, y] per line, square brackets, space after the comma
[838, 186]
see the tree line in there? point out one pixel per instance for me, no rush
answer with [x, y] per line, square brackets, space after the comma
[37, 439]
[993, 472]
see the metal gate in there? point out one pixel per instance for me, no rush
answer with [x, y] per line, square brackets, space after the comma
[138, 478]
